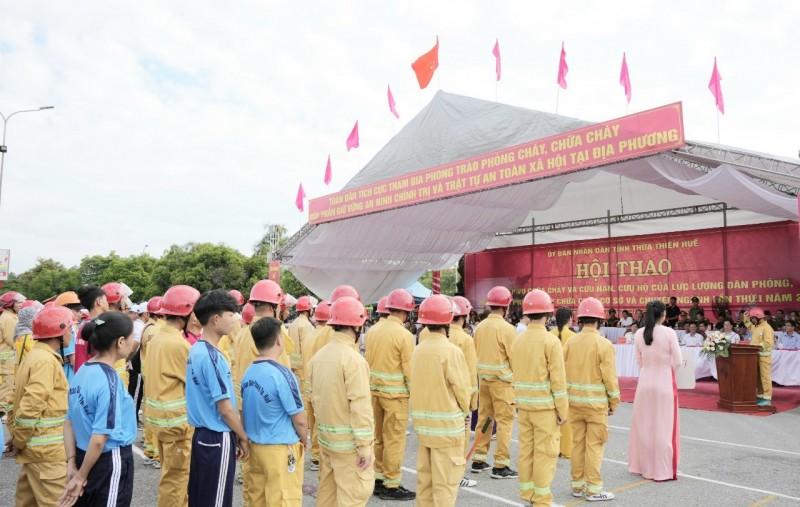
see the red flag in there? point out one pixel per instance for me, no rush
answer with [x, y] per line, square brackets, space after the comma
[625, 79]
[437, 282]
[562, 69]
[715, 85]
[392, 107]
[496, 53]
[426, 65]
[298, 202]
[328, 173]
[352, 139]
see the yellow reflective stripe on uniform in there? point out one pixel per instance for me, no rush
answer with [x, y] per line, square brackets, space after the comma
[8, 355]
[439, 432]
[39, 423]
[578, 484]
[166, 405]
[475, 389]
[438, 416]
[531, 386]
[57, 438]
[587, 399]
[559, 394]
[526, 400]
[594, 488]
[385, 376]
[167, 423]
[389, 389]
[489, 366]
[525, 486]
[364, 434]
[347, 445]
[613, 394]
[335, 430]
[586, 387]
[541, 491]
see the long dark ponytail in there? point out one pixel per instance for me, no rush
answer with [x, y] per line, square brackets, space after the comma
[563, 317]
[655, 309]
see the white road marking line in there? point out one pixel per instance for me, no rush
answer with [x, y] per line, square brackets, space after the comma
[138, 451]
[476, 492]
[723, 443]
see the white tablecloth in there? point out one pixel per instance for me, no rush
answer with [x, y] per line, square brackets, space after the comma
[785, 364]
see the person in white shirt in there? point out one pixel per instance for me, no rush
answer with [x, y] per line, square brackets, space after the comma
[790, 340]
[626, 319]
[631, 332]
[692, 338]
[728, 332]
[523, 324]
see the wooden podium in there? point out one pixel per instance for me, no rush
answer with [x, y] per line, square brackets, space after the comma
[738, 380]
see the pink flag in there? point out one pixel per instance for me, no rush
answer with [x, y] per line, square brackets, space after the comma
[392, 107]
[352, 139]
[562, 69]
[496, 53]
[299, 200]
[625, 78]
[715, 85]
[328, 172]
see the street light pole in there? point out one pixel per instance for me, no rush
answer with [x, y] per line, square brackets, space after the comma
[4, 148]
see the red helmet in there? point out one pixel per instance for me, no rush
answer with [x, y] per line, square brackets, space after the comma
[757, 313]
[237, 296]
[52, 322]
[288, 301]
[114, 292]
[342, 291]
[323, 312]
[49, 304]
[591, 307]
[304, 304]
[382, 306]
[179, 300]
[537, 301]
[464, 306]
[248, 312]
[400, 299]
[267, 291]
[154, 305]
[436, 310]
[9, 298]
[347, 311]
[499, 296]
[32, 303]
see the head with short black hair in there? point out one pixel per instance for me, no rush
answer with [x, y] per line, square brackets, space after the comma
[265, 332]
[214, 302]
[89, 296]
[673, 300]
[692, 327]
[589, 320]
[108, 331]
[436, 328]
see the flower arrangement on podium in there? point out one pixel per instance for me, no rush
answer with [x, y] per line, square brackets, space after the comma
[715, 345]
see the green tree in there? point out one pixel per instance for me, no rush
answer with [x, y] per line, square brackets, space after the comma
[449, 278]
[274, 237]
[45, 280]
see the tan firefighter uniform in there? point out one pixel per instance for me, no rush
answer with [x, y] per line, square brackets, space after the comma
[566, 428]
[37, 428]
[593, 392]
[388, 354]
[8, 321]
[321, 334]
[440, 398]
[298, 330]
[226, 346]
[493, 339]
[150, 445]
[764, 335]
[165, 398]
[340, 393]
[540, 393]
[121, 367]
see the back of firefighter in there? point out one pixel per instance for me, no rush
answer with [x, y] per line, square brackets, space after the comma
[564, 333]
[493, 339]
[540, 393]
[40, 408]
[593, 396]
[322, 332]
[465, 342]
[388, 353]
[763, 335]
[165, 395]
[151, 328]
[298, 330]
[340, 393]
[439, 402]
[11, 303]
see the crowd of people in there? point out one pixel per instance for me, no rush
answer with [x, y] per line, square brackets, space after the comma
[225, 380]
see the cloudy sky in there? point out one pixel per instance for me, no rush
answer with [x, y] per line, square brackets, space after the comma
[189, 121]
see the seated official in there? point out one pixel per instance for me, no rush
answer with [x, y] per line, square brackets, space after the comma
[729, 332]
[631, 332]
[626, 319]
[790, 340]
[612, 320]
[692, 338]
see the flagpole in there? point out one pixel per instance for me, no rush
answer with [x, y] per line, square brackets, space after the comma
[558, 92]
[495, 91]
[718, 142]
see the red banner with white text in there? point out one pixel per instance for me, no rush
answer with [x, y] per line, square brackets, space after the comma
[754, 265]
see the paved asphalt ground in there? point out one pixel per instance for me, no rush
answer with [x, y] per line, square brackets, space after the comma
[726, 460]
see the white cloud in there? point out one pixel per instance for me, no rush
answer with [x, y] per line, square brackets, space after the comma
[184, 121]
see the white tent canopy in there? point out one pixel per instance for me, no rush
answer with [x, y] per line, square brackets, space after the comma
[382, 251]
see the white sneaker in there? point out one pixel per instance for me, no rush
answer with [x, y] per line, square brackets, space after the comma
[468, 483]
[156, 464]
[313, 466]
[600, 497]
[577, 494]
[147, 461]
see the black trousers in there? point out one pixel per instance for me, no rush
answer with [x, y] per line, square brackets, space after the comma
[111, 480]
[136, 390]
[212, 468]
